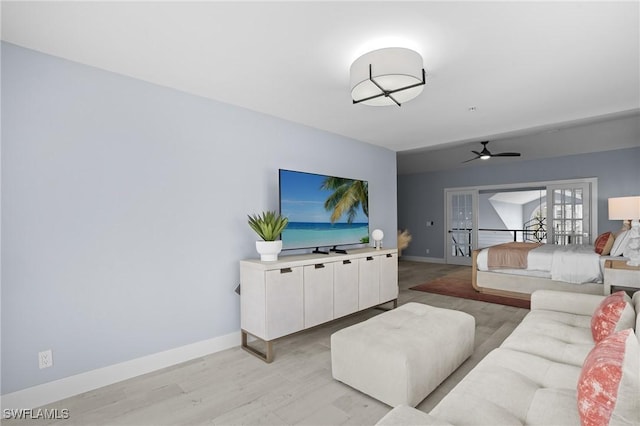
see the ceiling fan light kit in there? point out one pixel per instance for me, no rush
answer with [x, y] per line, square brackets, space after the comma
[485, 154]
[389, 76]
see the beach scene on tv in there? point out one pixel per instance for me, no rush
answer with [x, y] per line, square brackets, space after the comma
[323, 211]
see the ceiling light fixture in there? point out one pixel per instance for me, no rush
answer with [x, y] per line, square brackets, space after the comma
[389, 76]
[485, 154]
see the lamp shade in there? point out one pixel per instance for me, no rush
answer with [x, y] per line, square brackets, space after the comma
[377, 235]
[387, 70]
[624, 208]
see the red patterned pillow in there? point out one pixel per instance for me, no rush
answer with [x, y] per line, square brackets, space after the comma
[613, 314]
[603, 243]
[609, 386]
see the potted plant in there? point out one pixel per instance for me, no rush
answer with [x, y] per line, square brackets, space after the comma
[268, 226]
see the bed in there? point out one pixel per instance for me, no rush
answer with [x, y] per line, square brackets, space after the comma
[518, 269]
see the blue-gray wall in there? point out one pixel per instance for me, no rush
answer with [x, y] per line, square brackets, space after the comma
[124, 211]
[421, 195]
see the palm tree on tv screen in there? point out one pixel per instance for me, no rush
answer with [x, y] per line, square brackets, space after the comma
[347, 196]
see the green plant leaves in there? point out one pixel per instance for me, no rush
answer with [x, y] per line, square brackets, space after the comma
[269, 225]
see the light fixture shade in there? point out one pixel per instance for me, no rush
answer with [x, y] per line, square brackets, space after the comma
[624, 208]
[391, 68]
[377, 235]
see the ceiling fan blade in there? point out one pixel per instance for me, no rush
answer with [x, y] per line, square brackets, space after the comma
[471, 159]
[507, 154]
[486, 154]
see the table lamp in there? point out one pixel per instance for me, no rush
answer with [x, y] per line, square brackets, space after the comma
[377, 236]
[628, 209]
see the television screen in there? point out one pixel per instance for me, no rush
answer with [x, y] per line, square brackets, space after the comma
[323, 211]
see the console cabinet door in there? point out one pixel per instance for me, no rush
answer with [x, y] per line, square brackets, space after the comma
[284, 302]
[388, 277]
[318, 294]
[345, 288]
[368, 282]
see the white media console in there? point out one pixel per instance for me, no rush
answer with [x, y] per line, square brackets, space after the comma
[295, 293]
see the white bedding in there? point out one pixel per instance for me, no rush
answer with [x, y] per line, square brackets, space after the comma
[575, 264]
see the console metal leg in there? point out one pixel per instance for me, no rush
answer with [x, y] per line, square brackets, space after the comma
[395, 305]
[267, 356]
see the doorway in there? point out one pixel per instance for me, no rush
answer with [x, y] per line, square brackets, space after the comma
[461, 208]
[554, 212]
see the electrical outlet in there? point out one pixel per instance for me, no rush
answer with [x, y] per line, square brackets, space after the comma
[427, 251]
[45, 359]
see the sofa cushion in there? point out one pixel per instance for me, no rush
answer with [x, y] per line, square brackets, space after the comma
[557, 336]
[553, 407]
[565, 302]
[635, 301]
[614, 313]
[403, 415]
[510, 387]
[609, 385]
[603, 243]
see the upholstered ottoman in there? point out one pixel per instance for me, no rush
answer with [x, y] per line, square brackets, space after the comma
[400, 356]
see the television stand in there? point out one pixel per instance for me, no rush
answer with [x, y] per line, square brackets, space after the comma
[318, 251]
[299, 292]
[337, 250]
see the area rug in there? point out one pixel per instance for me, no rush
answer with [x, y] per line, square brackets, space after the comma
[458, 284]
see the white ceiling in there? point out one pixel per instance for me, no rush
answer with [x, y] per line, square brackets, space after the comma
[518, 197]
[523, 65]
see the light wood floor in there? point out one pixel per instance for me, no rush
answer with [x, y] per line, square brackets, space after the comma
[233, 387]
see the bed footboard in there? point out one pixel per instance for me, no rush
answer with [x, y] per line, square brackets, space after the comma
[474, 270]
[521, 286]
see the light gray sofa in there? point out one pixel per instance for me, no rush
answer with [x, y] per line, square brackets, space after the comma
[532, 378]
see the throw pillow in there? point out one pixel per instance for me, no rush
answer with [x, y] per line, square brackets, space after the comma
[609, 385]
[603, 243]
[620, 243]
[614, 313]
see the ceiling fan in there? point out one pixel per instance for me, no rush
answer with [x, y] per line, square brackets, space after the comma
[485, 154]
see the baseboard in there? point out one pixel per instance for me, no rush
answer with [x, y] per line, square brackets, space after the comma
[423, 259]
[47, 393]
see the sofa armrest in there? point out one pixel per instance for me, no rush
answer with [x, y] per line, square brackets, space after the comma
[405, 415]
[565, 301]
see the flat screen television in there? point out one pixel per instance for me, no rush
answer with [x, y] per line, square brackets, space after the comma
[323, 211]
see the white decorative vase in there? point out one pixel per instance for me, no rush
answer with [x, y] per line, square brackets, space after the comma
[269, 250]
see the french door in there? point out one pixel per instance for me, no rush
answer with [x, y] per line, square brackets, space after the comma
[462, 225]
[569, 213]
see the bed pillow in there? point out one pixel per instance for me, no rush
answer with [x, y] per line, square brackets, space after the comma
[603, 243]
[620, 243]
[609, 386]
[614, 313]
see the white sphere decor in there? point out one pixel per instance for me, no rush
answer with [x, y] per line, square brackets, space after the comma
[377, 236]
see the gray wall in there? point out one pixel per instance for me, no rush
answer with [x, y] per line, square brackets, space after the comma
[487, 215]
[124, 211]
[531, 206]
[421, 195]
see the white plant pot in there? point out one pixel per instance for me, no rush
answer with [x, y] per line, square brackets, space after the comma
[269, 250]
